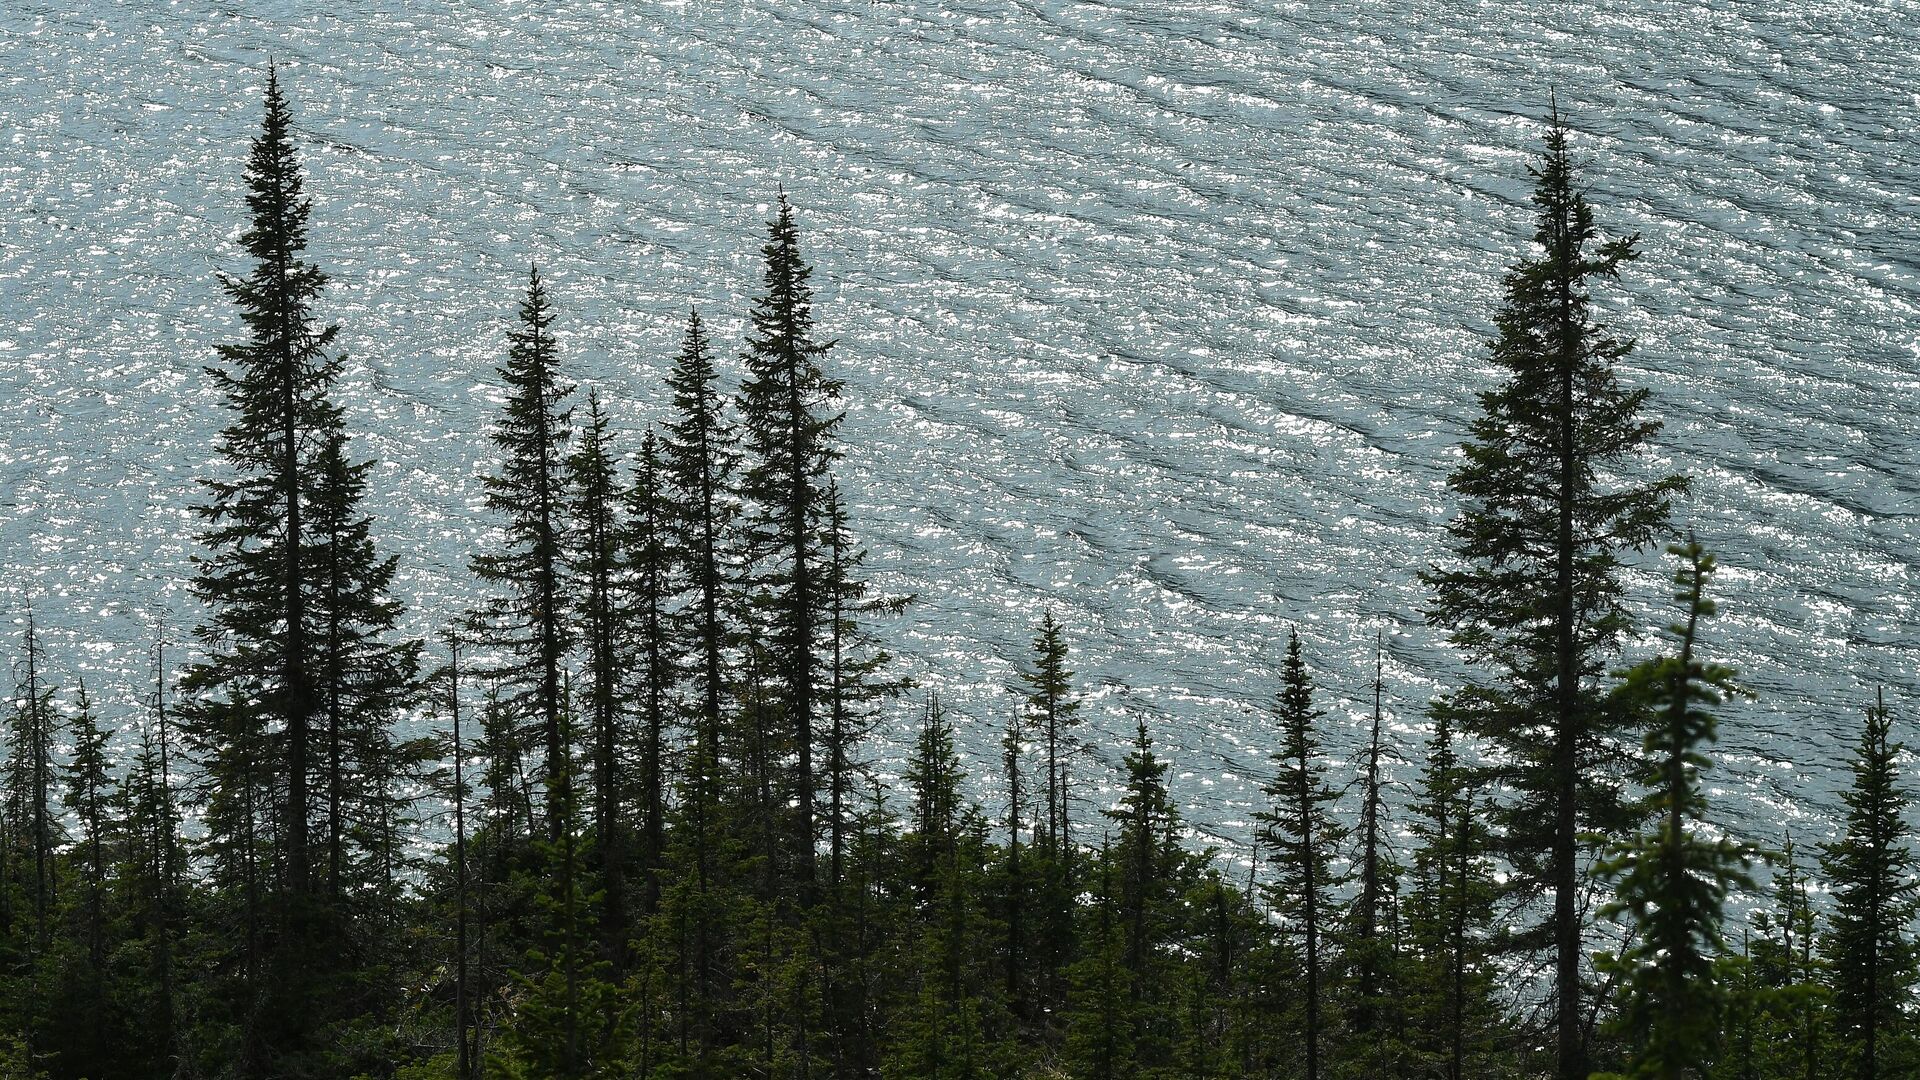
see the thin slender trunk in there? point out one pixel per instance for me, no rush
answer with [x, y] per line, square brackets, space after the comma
[1370, 883]
[607, 782]
[837, 751]
[1311, 913]
[1569, 1032]
[801, 614]
[163, 932]
[570, 937]
[547, 601]
[336, 768]
[460, 1011]
[1457, 948]
[1053, 777]
[294, 657]
[38, 741]
[1015, 884]
[652, 763]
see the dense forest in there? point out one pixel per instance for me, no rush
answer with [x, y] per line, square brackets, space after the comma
[618, 820]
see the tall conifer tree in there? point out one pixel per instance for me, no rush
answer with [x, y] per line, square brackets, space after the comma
[1794, 1037]
[594, 553]
[790, 410]
[255, 705]
[1534, 594]
[1052, 713]
[257, 575]
[1155, 873]
[700, 455]
[1012, 754]
[530, 622]
[855, 681]
[655, 653]
[1370, 931]
[89, 791]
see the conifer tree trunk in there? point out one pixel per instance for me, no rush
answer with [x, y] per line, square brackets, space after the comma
[1016, 883]
[1310, 916]
[164, 832]
[1457, 963]
[1366, 935]
[461, 1014]
[1569, 1023]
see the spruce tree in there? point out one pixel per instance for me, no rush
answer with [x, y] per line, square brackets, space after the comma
[789, 409]
[1533, 596]
[654, 653]
[89, 791]
[32, 818]
[80, 1030]
[1795, 1001]
[593, 561]
[1870, 950]
[855, 672]
[528, 620]
[1016, 886]
[1450, 910]
[257, 577]
[255, 705]
[363, 677]
[854, 683]
[465, 1031]
[951, 1023]
[1154, 875]
[1054, 712]
[1300, 832]
[1099, 1018]
[1369, 934]
[149, 880]
[567, 1022]
[33, 827]
[1672, 885]
[933, 780]
[700, 455]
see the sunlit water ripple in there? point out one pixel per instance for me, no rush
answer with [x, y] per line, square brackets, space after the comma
[1166, 315]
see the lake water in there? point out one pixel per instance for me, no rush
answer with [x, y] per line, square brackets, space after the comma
[1165, 315]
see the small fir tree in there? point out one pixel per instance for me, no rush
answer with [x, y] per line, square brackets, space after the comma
[1869, 951]
[1299, 830]
[1671, 885]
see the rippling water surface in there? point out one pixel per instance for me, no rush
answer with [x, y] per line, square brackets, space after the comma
[1164, 314]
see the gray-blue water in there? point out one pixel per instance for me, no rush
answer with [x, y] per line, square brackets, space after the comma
[1166, 315]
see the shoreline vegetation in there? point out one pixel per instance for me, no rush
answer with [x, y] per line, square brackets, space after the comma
[668, 857]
